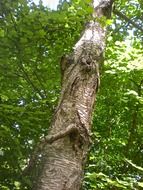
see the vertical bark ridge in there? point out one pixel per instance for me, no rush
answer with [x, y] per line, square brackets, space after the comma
[63, 160]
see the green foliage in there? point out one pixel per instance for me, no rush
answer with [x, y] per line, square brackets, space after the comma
[115, 161]
[33, 39]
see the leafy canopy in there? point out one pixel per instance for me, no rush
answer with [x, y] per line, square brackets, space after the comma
[33, 38]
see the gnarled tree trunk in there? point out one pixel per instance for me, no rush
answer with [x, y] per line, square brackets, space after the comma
[69, 137]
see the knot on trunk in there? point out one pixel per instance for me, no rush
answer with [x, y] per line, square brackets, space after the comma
[104, 8]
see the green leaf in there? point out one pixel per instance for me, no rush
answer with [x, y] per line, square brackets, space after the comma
[140, 184]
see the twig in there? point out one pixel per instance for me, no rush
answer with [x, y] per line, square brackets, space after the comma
[134, 165]
[26, 76]
[121, 15]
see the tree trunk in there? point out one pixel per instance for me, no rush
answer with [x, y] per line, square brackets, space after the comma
[69, 137]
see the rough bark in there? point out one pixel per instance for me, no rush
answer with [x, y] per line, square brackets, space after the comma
[67, 145]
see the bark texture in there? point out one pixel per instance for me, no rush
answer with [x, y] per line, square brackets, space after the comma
[68, 141]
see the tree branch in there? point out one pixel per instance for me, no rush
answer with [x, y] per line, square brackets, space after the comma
[121, 15]
[20, 65]
[71, 128]
[40, 82]
[134, 165]
[47, 140]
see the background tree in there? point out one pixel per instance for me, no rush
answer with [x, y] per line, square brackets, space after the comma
[33, 39]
